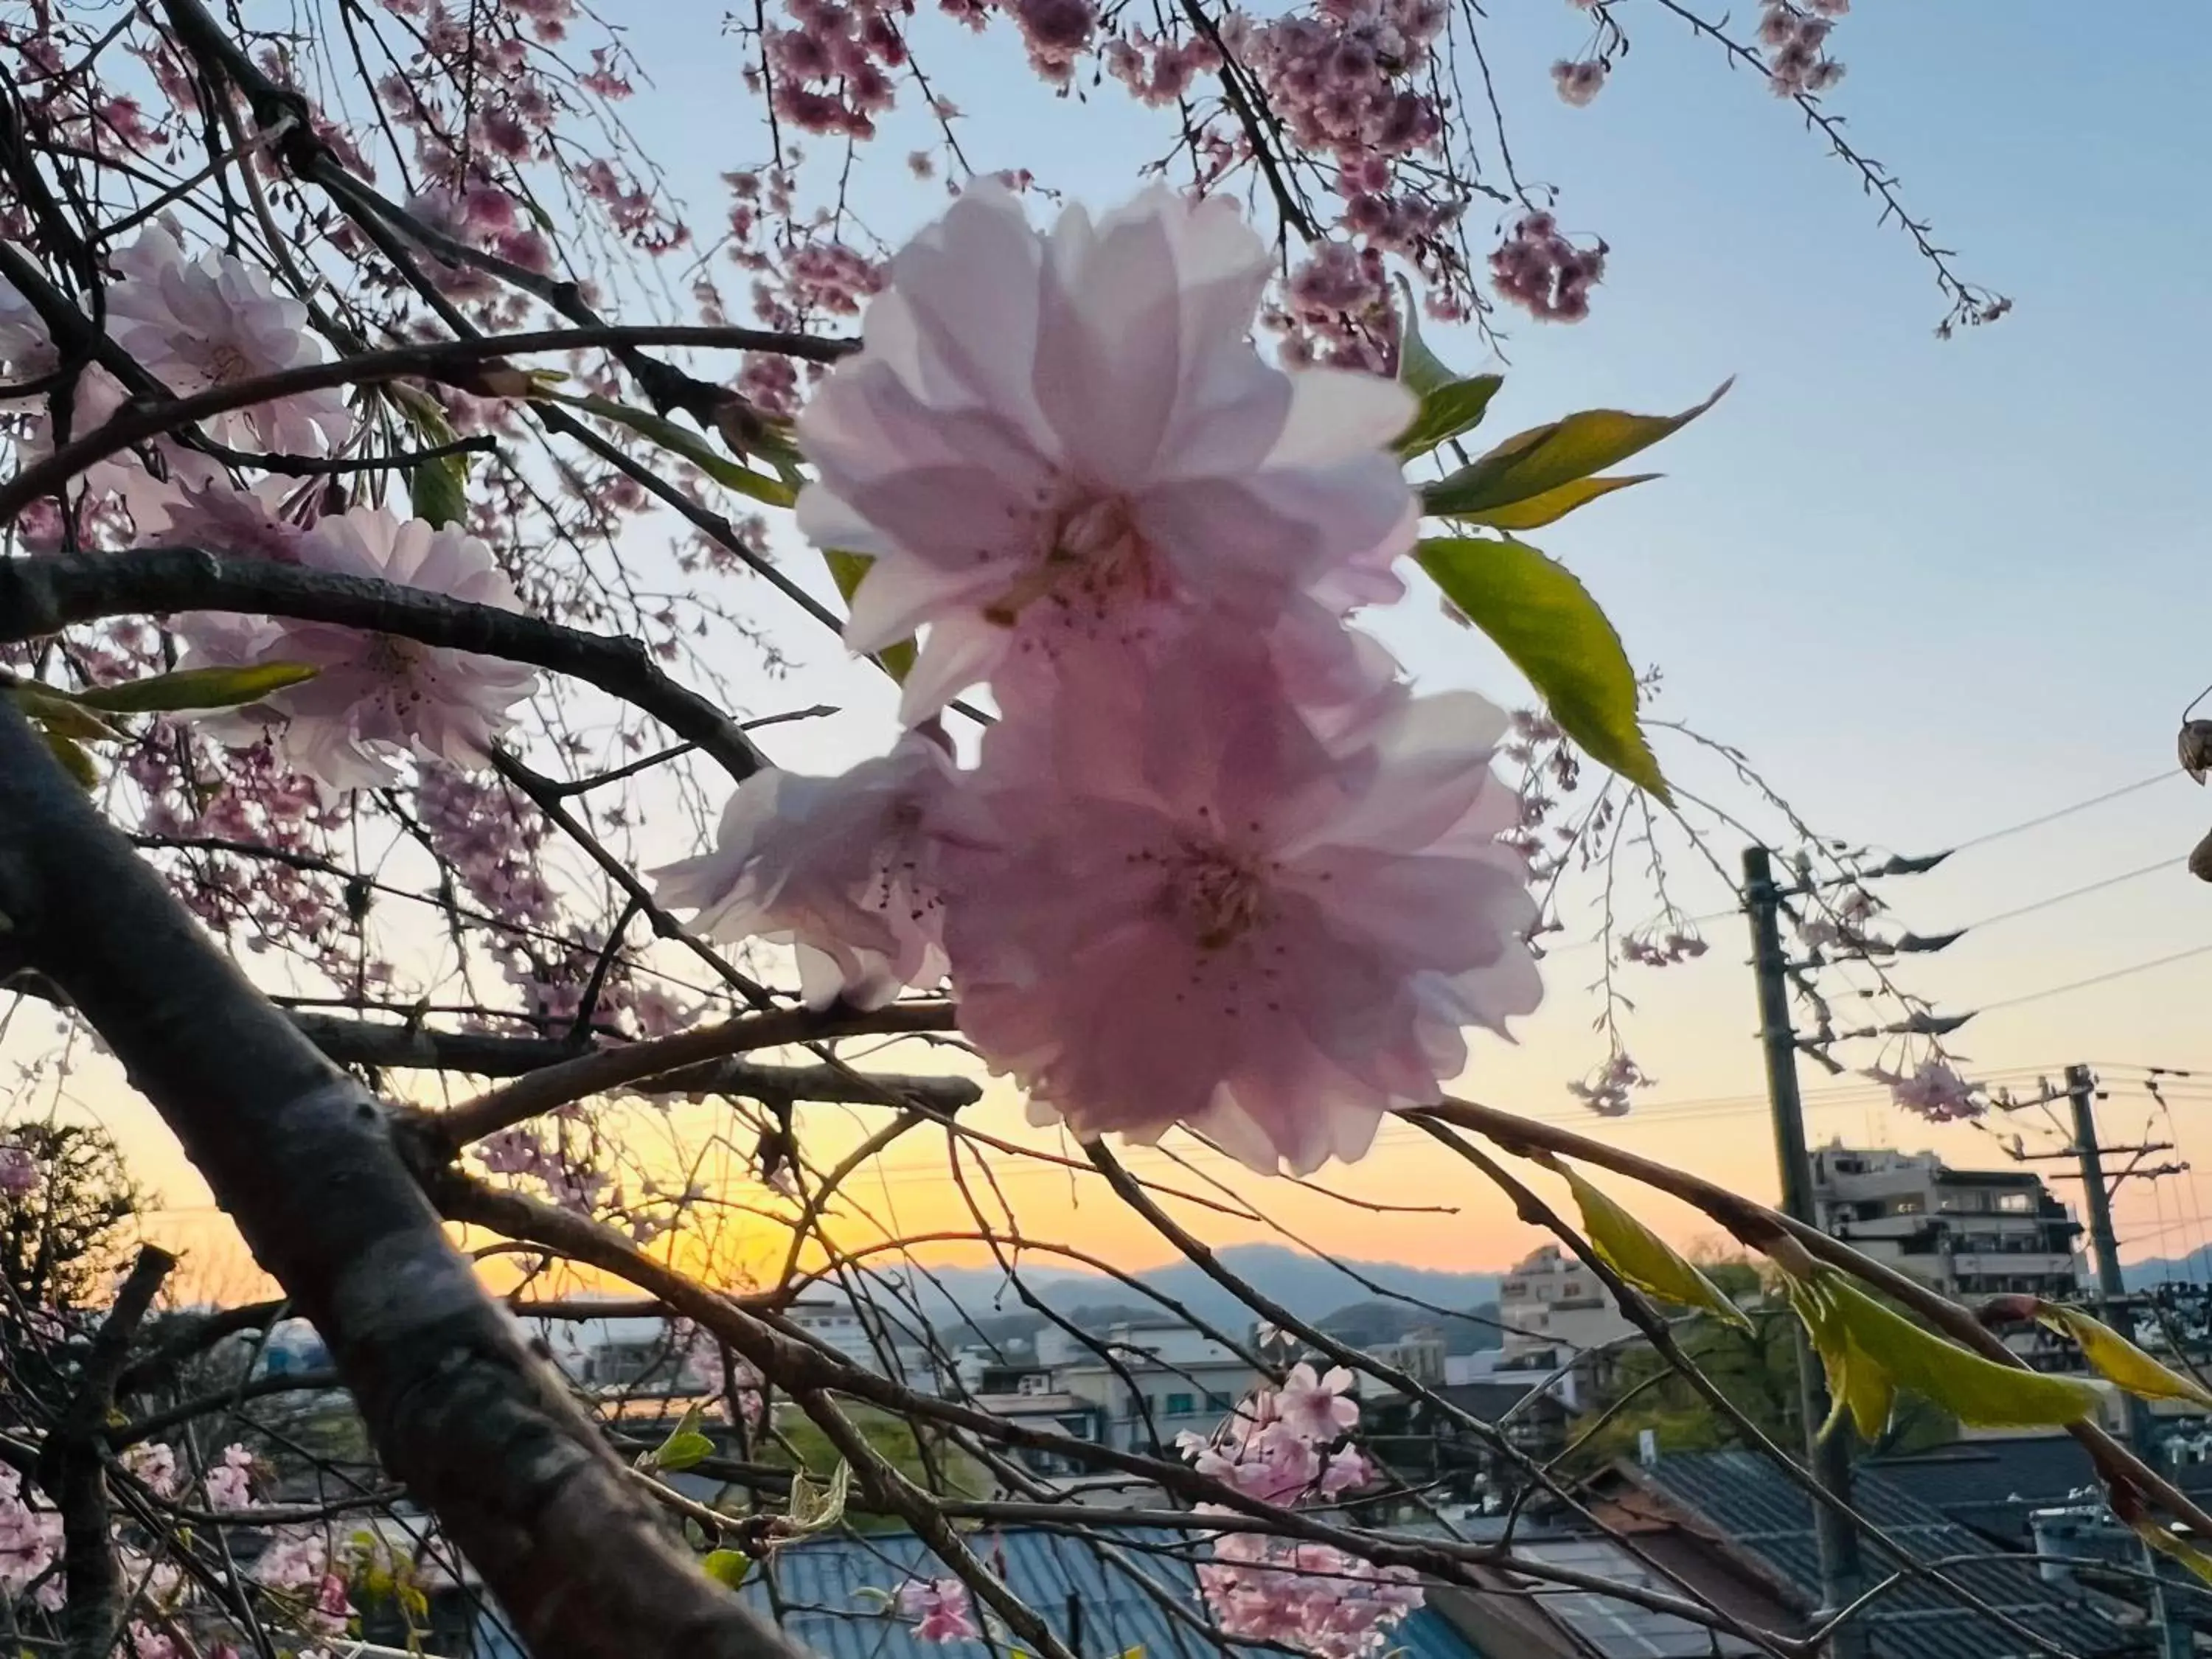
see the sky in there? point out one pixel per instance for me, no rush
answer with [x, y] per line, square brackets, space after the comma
[1934, 590]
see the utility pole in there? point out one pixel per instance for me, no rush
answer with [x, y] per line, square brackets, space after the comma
[1842, 1575]
[2177, 1640]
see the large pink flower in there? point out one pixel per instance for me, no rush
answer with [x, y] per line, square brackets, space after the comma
[1072, 437]
[199, 323]
[375, 694]
[844, 869]
[1200, 912]
[940, 1609]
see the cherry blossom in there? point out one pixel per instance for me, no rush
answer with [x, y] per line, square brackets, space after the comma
[230, 1482]
[940, 1610]
[1580, 81]
[19, 1175]
[1201, 913]
[843, 869]
[155, 1462]
[373, 694]
[30, 1543]
[219, 517]
[1069, 437]
[199, 323]
[1316, 1407]
[1541, 271]
[1934, 1089]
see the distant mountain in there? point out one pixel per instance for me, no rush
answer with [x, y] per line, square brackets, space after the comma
[2194, 1268]
[1311, 1288]
[1371, 1324]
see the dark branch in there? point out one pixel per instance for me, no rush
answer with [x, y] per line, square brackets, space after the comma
[478, 1428]
[40, 595]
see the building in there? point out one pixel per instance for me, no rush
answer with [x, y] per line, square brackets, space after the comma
[1154, 1380]
[1550, 1301]
[1967, 1233]
[1031, 1397]
[873, 1339]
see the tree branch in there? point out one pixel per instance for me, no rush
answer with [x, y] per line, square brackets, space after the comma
[40, 595]
[462, 1411]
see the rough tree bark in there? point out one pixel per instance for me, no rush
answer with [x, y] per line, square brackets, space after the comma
[479, 1428]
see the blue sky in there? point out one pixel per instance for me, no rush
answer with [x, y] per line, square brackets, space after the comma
[1933, 589]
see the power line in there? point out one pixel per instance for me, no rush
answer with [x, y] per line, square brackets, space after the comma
[2095, 979]
[2074, 893]
[2068, 811]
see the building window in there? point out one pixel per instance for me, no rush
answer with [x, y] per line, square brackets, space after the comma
[1219, 1402]
[2017, 1203]
[1906, 1206]
[1182, 1405]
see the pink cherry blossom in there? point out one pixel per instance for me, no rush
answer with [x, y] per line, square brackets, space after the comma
[30, 1542]
[1579, 82]
[19, 1175]
[374, 694]
[155, 1462]
[200, 323]
[229, 1483]
[1070, 437]
[221, 518]
[844, 869]
[1316, 1408]
[1201, 913]
[294, 1560]
[1934, 1091]
[940, 1610]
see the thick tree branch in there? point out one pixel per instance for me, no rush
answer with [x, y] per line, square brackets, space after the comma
[477, 1427]
[73, 1471]
[40, 595]
[484, 1053]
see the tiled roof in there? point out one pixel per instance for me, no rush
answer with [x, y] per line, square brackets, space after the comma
[1993, 1486]
[1759, 1515]
[823, 1584]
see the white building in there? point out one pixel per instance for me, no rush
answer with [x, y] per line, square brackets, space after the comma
[874, 1339]
[1552, 1301]
[1165, 1379]
[1967, 1233]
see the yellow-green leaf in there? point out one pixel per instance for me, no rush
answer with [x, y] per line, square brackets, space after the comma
[772, 491]
[727, 1567]
[60, 713]
[1642, 1258]
[1862, 1389]
[2167, 1541]
[846, 569]
[2117, 1360]
[1455, 407]
[1552, 504]
[197, 688]
[1530, 463]
[70, 753]
[437, 489]
[1546, 621]
[685, 1447]
[818, 1508]
[1981, 1393]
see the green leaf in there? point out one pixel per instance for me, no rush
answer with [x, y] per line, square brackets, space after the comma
[818, 1508]
[727, 1567]
[1456, 407]
[1552, 504]
[1546, 621]
[1863, 1388]
[197, 688]
[1530, 463]
[685, 1447]
[2117, 1360]
[70, 753]
[1420, 369]
[438, 490]
[60, 713]
[1851, 1330]
[1642, 1258]
[774, 492]
[846, 569]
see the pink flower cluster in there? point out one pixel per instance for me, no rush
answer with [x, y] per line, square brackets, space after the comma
[1215, 866]
[298, 1566]
[372, 695]
[1605, 1090]
[30, 1545]
[1934, 1089]
[940, 1610]
[230, 1482]
[1283, 1446]
[1538, 269]
[1796, 40]
[19, 1175]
